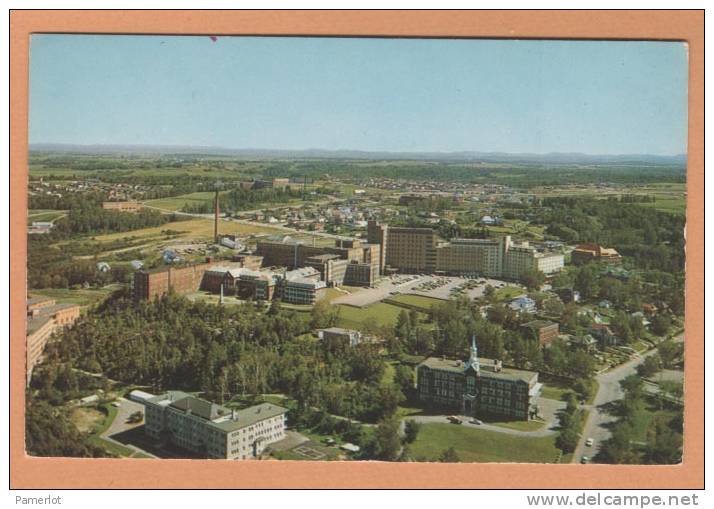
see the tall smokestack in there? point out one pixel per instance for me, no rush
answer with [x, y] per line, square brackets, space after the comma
[215, 219]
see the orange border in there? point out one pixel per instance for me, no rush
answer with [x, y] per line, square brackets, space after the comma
[28, 472]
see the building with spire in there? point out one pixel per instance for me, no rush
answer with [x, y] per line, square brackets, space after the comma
[478, 387]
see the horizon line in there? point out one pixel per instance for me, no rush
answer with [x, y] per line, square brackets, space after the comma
[367, 151]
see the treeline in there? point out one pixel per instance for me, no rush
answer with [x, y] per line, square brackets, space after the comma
[245, 199]
[48, 432]
[171, 343]
[651, 239]
[523, 175]
[92, 220]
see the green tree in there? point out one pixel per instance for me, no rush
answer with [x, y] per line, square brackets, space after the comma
[449, 456]
[411, 430]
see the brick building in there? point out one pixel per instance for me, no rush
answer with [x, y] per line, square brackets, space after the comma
[478, 387]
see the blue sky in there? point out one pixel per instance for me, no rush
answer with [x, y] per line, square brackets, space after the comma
[363, 94]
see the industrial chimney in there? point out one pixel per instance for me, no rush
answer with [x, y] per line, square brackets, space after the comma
[215, 218]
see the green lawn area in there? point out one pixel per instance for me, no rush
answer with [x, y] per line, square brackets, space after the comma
[97, 440]
[475, 445]
[520, 425]
[674, 205]
[509, 292]
[554, 390]
[419, 301]
[380, 314]
[178, 202]
[44, 215]
[80, 296]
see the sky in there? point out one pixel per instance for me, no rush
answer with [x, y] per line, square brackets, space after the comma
[417, 95]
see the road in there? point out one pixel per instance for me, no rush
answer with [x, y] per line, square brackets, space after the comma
[608, 392]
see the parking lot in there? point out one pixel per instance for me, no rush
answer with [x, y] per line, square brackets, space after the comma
[439, 287]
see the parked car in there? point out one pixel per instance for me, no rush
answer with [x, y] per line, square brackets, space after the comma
[454, 420]
[585, 459]
[589, 442]
[476, 421]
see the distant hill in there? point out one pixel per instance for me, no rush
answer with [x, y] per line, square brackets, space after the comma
[468, 156]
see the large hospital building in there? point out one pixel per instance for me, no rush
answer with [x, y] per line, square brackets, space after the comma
[421, 250]
[209, 430]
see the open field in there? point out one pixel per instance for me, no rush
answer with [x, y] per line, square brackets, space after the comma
[176, 203]
[672, 205]
[86, 419]
[190, 229]
[475, 445]
[380, 314]
[420, 301]
[83, 297]
[44, 215]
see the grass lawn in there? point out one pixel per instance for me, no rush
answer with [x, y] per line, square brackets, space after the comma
[80, 296]
[44, 215]
[96, 439]
[554, 390]
[673, 205]
[178, 202]
[509, 292]
[381, 314]
[189, 229]
[419, 301]
[520, 425]
[475, 445]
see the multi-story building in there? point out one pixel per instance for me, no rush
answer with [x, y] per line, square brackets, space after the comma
[301, 290]
[585, 253]
[542, 330]
[465, 256]
[44, 316]
[419, 250]
[478, 387]
[332, 268]
[287, 252]
[149, 284]
[208, 430]
[377, 235]
[360, 274]
[122, 206]
[338, 334]
[411, 249]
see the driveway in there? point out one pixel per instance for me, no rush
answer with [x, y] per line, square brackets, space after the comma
[548, 409]
[120, 424]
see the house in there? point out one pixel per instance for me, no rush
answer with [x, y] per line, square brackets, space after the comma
[568, 295]
[603, 334]
[650, 309]
[523, 304]
[586, 342]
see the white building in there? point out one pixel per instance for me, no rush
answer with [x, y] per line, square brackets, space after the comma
[212, 431]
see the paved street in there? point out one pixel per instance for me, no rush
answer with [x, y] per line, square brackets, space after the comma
[609, 391]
